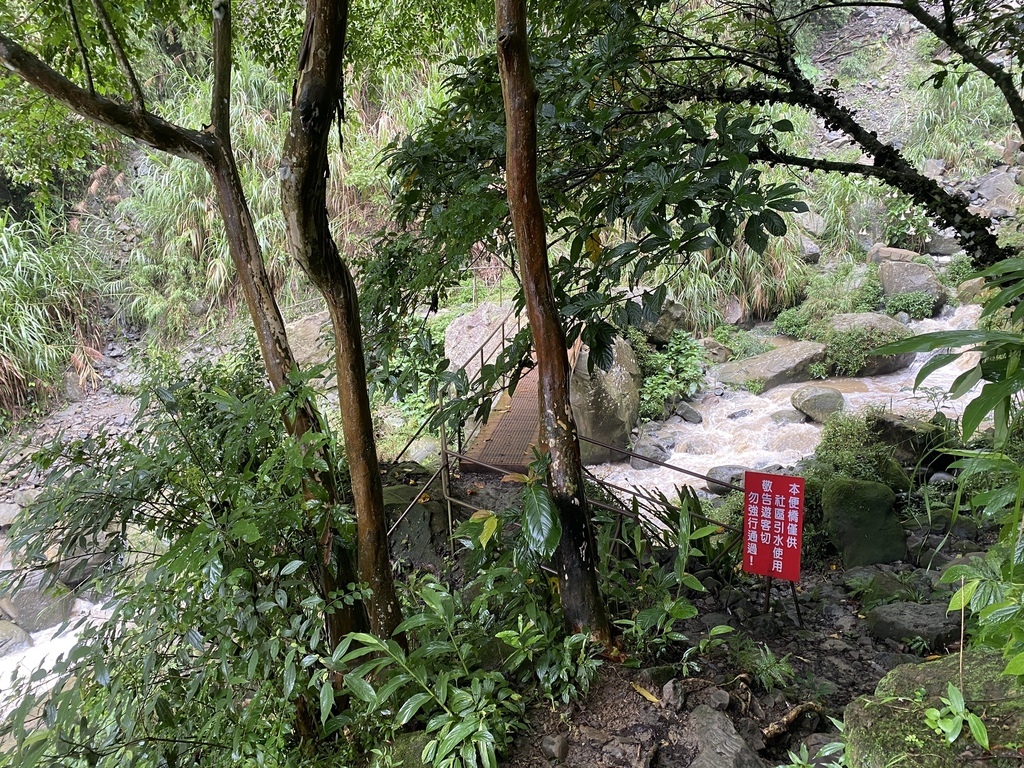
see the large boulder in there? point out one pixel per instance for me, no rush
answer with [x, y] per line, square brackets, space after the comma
[657, 447]
[907, 620]
[889, 728]
[818, 402]
[606, 404]
[899, 277]
[871, 326]
[880, 252]
[8, 514]
[718, 743]
[13, 638]
[786, 364]
[466, 334]
[860, 517]
[311, 339]
[38, 603]
[998, 183]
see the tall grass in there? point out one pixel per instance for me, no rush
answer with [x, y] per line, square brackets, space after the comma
[180, 273]
[50, 289]
[955, 122]
[763, 284]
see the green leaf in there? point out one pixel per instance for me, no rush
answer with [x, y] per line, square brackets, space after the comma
[361, 689]
[411, 706]
[489, 529]
[289, 678]
[956, 699]
[1015, 666]
[963, 596]
[292, 567]
[978, 730]
[540, 522]
[326, 701]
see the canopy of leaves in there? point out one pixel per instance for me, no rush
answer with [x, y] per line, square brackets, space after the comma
[628, 184]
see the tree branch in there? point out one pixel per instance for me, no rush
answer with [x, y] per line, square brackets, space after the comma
[145, 127]
[81, 46]
[138, 102]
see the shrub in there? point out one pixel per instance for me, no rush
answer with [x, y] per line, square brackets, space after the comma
[917, 304]
[792, 322]
[742, 343]
[847, 352]
[677, 372]
[848, 447]
[959, 269]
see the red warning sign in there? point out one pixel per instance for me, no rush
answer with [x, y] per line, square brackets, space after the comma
[773, 525]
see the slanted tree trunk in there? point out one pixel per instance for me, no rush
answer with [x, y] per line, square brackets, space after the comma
[304, 174]
[576, 556]
[211, 147]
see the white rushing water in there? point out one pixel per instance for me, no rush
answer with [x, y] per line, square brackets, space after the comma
[754, 440]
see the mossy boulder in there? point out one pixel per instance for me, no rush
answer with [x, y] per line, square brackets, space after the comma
[889, 727]
[859, 517]
[407, 748]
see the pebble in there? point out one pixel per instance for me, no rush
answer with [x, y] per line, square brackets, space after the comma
[555, 747]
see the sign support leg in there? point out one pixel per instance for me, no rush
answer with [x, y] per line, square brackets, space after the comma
[767, 593]
[796, 604]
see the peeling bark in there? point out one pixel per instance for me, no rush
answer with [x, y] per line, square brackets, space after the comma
[304, 173]
[576, 556]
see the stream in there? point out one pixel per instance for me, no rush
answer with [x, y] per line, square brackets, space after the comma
[738, 428]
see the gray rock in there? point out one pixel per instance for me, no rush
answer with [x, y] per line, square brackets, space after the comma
[880, 252]
[311, 340]
[651, 447]
[899, 277]
[859, 516]
[36, 605]
[997, 183]
[13, 638]
[874, 322]
[811, 223]
[726, 473]
[26, 497]
[902, 621]
[735, 313]
[888, 723]
[784, 365]
[788, 417]
[555, 747]
[716, 351]
[606, 404]
[818, 402]
[8, 514]
[688, 413]
[934, 168]
[671, 319]
[810, 251]
[942, 242]
[740, 414]
[718, 744]
[718, 699]
[971, 291]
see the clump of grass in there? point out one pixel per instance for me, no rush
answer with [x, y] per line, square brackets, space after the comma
[50, 289]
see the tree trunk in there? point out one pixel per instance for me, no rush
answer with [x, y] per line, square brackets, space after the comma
[212, 148]
[304, 173]
[576, 556]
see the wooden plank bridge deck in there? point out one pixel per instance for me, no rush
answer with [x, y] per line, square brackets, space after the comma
[507, 439]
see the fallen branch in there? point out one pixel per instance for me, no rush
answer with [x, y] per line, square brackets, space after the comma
[783, 724]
